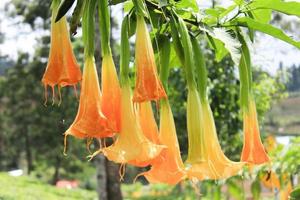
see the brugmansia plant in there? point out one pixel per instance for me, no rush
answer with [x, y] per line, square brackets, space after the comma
[179, 30]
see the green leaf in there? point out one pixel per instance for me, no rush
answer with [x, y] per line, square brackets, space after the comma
[128, 5]
[287, 7]
[63, 9]
[188, 4]
[174, 59]
[224, 40]
[295, 194]
[265, 28]
[239, 2]
[218, 46]
[261, 15]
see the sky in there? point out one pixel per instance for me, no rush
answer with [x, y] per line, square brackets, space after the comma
[267, 52]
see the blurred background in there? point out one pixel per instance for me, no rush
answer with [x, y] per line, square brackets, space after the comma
[32, 164]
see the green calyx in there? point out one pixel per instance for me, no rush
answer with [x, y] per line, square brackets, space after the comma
[201, 71]
[88, 27]
[125, 52]
[104, 20]
[140, 8]
[245, 74]
[188, 54]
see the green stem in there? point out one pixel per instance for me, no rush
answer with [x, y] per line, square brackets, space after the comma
[104, 20]
[88, 27]
[125, 52]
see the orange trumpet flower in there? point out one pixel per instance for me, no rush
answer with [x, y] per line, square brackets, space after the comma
[149, 128]
[253, 149]
[131, 144]
[148, 86]
[205, 159]
[62, 68]
[89, 121]
[111, 93]
[147, 121]
[169, 167]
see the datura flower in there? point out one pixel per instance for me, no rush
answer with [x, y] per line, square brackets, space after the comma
[62, 68]
[131, 144]
[253, 149]
[148, 86]
[90, 121]
[169, 167]
[205, 157]
[111, 93]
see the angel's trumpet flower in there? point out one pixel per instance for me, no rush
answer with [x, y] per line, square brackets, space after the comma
[131, 144]
[111, 92]
[148, 86]
[62, 68]
[147, 121]
[149, 128]
[168, 167]
[90, 121]
[206, 159]
[253, 149]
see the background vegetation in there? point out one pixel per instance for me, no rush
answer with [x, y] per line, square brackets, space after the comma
[31, 134]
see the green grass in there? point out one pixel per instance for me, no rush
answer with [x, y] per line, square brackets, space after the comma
[27, 188]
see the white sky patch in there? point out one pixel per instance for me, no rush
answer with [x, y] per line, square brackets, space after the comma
[268, 51]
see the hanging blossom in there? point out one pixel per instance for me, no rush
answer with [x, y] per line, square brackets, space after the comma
[131, 145]
[206, 159]
[148, 86]
[111, 93]
[253, 150]
[168, 167]
[90, 121]
[62, 68]
[144, 114]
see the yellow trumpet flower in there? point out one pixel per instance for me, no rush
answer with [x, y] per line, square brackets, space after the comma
[131, 144]
[206, 159]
